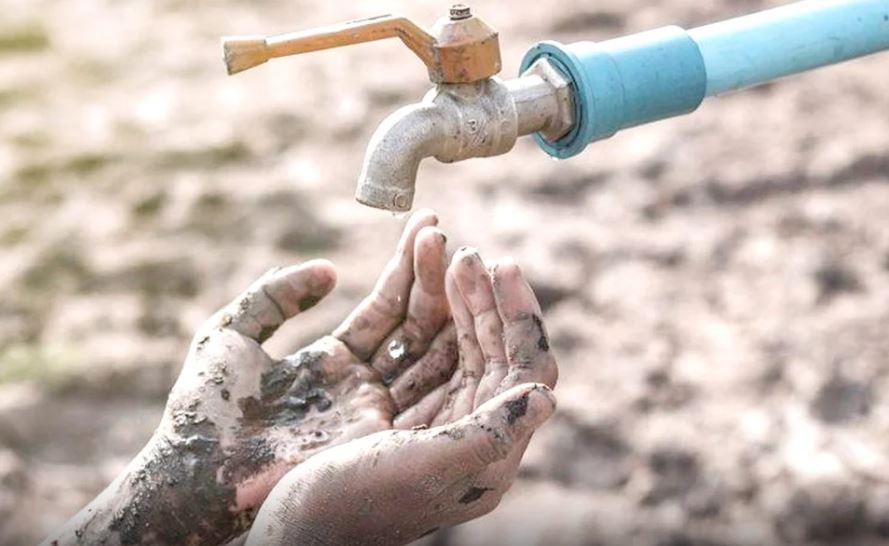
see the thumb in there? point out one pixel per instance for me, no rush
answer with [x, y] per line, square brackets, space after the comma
[489, 434]
[277, 296]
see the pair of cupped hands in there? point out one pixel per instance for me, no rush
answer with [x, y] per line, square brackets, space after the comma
[412, 415]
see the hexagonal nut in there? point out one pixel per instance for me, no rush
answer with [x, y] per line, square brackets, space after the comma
[564, 120]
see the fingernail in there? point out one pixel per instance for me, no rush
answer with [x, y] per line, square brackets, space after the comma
[466, 252]
[426, 212]
[439, 233]
[503, 267]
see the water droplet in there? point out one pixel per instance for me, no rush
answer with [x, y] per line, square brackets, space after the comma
[396, 349]
[399, 214]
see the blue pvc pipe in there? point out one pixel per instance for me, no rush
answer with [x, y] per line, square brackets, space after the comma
[772, 44]
[668, 72]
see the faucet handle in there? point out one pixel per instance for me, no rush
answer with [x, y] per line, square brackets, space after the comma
[460, 49]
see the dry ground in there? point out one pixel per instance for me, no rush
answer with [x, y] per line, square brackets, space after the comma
[717, 287]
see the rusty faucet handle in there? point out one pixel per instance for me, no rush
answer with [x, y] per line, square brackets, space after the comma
[460, 49]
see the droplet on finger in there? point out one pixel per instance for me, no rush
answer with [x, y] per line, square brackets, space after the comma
[397, 350]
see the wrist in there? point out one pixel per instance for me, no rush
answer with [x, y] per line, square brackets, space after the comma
[171, 493]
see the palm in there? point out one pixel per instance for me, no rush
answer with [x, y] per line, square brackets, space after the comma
[267, 416]
[481, 421]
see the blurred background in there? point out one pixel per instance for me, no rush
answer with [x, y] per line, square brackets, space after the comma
[716, 287]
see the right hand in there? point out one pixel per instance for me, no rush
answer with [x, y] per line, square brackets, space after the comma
[394, 486]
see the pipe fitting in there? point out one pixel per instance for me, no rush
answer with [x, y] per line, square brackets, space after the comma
[543, 99]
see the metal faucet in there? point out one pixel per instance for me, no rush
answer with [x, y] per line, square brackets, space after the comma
[469, 113]
[569, 95]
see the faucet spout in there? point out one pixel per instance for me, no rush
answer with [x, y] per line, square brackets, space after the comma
[393, 157]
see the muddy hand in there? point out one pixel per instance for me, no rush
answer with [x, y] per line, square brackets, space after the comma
[392, 487]
[500, 337]
[237, 420]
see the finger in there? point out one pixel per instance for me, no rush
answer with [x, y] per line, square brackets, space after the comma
[432, 370]
[452, 390]
[427, 308]
[375, 317]
[527, 345]
[474, 283]
[277, 296]
[423, 412]
[460, 399]
[496, 428]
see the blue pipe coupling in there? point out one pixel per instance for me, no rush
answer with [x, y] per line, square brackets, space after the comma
[624, 82]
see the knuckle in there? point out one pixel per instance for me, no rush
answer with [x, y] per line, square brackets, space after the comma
[386, 306]
[494, 363]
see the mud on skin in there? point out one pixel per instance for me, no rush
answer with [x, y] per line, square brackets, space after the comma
[516, 409]
[288, 391]
[534, 327]
[191, 459]
[542, 341]
[175, 495]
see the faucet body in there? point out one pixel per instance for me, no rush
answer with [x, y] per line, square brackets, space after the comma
[460, 121]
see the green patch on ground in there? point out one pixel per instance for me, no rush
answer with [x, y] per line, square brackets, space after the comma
[35, 176]
[31, 140]
[26, 362]
[150, 205]
[212, 202]
[78, 165]
[214, 156]
[57, 268]
[88, 163]
[13, 236]
[10, 97]
[25, 39]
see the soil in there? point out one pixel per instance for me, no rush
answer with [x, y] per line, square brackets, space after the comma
[716, 287]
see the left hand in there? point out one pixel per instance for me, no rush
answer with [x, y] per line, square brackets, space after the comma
[237, 420]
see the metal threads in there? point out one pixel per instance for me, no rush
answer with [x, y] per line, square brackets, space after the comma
[460, 12]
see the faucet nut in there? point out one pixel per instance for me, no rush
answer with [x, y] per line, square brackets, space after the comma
[460, 12]
[562, 118]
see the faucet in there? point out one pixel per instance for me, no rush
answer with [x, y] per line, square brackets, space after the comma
[469, 112]
[568, 96]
